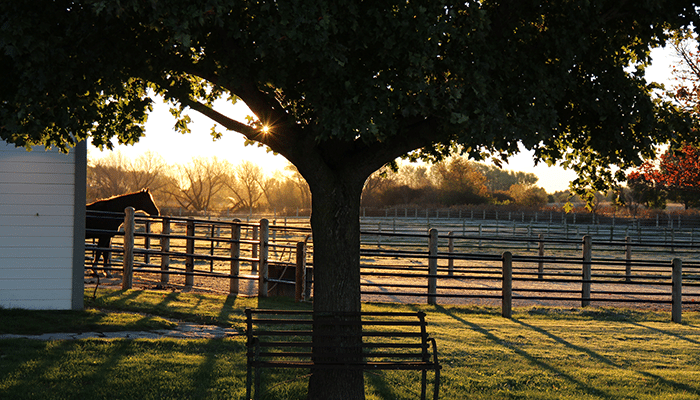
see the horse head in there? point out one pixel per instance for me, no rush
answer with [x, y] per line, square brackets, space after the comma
[147, 204]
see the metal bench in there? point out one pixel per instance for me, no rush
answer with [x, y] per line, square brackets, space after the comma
[283, 339]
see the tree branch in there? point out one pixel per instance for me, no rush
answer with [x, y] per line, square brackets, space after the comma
[229, 123]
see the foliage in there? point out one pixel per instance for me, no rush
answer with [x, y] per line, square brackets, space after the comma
[451, 182]
[676, 173]
[527, 195]
[677, 177]
[459, 182]
[499, 179]
[554, 59]
[687, 74]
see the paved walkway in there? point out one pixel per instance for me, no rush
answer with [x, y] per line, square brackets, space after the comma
[184, 330]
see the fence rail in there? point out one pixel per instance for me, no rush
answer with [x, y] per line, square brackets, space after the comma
[410, 262]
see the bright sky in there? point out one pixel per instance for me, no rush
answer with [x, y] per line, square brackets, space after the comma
[176, 148]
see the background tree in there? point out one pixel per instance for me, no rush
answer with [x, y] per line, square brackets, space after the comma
[279, 193]
[247, 185]
[680, 175]
[527, 195]
[687, 73]
[499, 179]
[379, 181]
[677, 177]
[642, 190]
[199, 184]
[481, 77]
[302, 189]
[460, 182]
[115, 174]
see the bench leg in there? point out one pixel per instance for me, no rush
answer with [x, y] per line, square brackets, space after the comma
[437, 383]
[258, 374]
[424, 384]
[248, 383]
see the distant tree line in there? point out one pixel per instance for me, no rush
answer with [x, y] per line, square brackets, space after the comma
[202, 184]
[452, 182]
[205, 184]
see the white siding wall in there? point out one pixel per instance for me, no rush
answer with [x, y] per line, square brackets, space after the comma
[37, 228]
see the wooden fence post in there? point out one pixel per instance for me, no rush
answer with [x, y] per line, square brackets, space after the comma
[480, 236]
[165, 247]
[540, 264]
[628, 258]
[677, 294]
[128, 259]
[309, 273]
[432, 266]
[254, 250]
[147, 243]
[189, 250]
[450, 260]
[211, 248]
[586, 275]
[507, 286]
[300, 273]
[235, 256]
[262, 275]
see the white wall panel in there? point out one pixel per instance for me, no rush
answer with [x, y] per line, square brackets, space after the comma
[38, 228]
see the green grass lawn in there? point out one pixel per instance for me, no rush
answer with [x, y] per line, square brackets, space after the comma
[541, 353]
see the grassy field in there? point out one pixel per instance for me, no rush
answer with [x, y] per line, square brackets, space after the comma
[541, 353]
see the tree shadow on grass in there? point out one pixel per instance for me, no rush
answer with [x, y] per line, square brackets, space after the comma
[206, 379]
[600, 358]
[663, 332]
[49, 369]
[385, 386]
[115, 298]
[583, 386]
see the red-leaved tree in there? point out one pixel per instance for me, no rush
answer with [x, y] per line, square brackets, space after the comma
[678, 174]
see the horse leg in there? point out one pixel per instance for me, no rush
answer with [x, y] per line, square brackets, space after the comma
[104, 243]
[95, 260]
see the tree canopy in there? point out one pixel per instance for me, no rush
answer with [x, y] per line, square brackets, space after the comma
[350, 77]
[341, 88]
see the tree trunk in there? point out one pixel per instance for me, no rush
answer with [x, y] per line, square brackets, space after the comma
[335, 221]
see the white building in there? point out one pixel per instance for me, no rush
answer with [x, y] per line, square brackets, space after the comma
[42, 228]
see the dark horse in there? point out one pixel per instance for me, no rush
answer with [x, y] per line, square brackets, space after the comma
[103, 218]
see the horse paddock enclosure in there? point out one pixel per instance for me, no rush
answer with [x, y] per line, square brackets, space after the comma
[438, 261]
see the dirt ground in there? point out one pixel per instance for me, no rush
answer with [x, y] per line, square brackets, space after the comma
[446, 295]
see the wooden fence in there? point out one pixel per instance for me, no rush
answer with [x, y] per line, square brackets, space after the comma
[406, 265]
[443, 271]
[201, 248]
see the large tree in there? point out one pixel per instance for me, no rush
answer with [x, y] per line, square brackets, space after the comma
[340, 88]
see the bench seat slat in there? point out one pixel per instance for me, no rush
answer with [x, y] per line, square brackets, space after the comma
[366, 365]
[294, 354]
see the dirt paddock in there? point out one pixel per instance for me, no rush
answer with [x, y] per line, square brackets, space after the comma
[249, 288]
